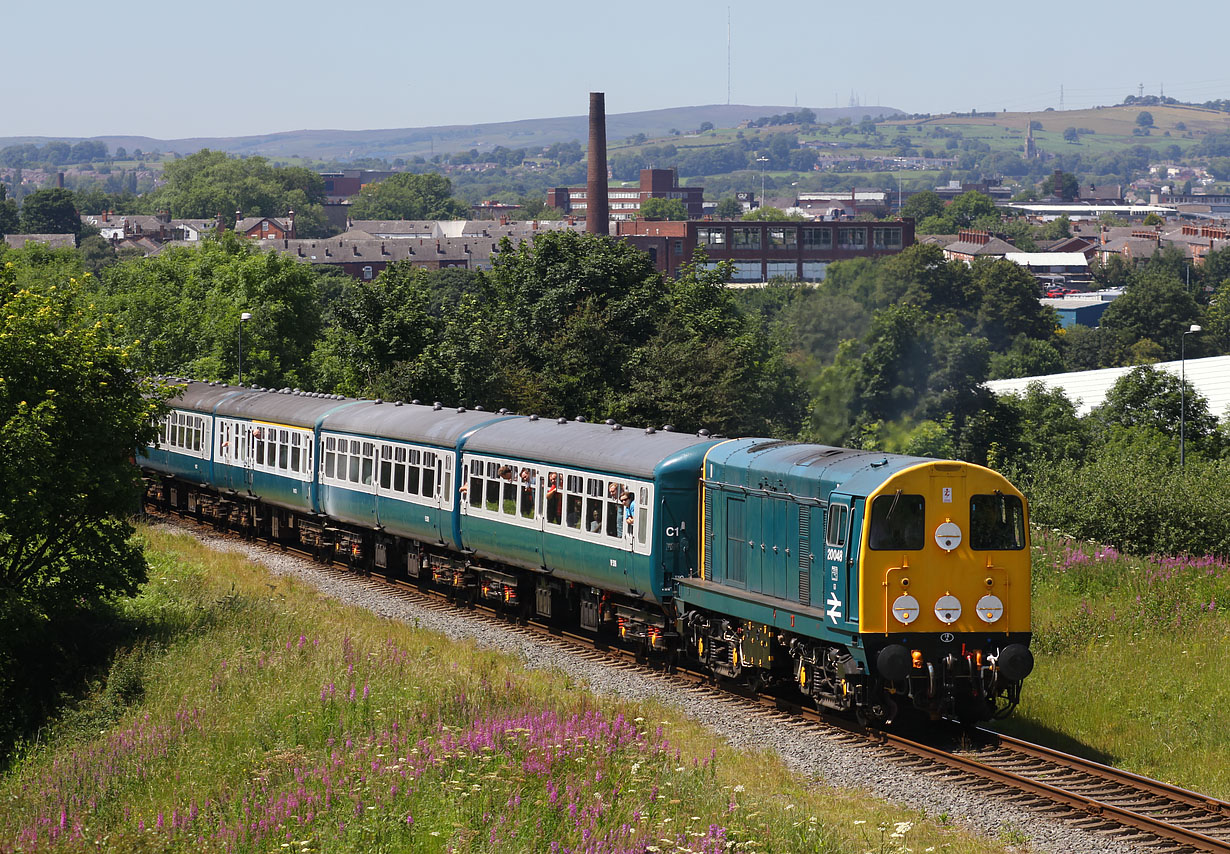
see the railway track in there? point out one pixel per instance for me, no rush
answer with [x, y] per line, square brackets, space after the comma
[1060, 787]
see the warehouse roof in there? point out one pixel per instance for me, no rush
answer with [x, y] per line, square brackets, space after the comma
[1210, 377]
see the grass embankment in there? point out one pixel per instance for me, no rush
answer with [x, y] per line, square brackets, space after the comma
[260, 716]
[1131, 664]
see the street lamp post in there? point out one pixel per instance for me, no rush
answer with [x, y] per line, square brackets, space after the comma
[762, 161]
[244, 317]
[1183, 390]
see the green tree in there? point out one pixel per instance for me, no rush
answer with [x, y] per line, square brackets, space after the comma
[1151, 398]
[768, 213]
[72, 410]
[922, 205]
[728, 208]
[1049, 427]
[1144, 119]
[1155, 306]
[181, 310]
[50, 212]
[663, 209]
[970, 206]
[1008, 305]
[409, 196]
[1070, 134]
[211, 183]
[375, 327]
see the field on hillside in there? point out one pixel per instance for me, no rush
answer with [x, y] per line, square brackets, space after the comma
[257, 715]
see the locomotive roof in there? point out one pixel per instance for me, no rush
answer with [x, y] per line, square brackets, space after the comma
[409, 422]
[605, 447]
[803, 469]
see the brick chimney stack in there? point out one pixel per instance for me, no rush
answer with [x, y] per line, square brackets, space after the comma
[597, 213]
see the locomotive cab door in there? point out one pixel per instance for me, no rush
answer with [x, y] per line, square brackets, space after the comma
[843, 533]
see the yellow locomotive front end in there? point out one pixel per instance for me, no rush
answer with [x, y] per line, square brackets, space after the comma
[944, 579]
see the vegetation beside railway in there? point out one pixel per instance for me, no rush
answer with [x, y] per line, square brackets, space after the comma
[250, 713]
[1130, 665]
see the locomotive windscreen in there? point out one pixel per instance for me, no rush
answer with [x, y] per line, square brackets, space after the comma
[997, 522]
[897, 522]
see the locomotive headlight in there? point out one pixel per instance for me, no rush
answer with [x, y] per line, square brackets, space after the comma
[948, 608]
[990, 608]
[948, 535]
[905, 609]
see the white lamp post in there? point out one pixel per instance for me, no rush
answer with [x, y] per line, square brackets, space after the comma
[244, 317]
[762, 161]
[1183, 390]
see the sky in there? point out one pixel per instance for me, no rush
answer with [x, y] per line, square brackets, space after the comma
[221, 69]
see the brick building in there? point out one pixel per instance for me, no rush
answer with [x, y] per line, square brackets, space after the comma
[625, 202]
[764, 250]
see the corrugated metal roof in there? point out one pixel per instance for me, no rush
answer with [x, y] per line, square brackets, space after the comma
[1087, 389]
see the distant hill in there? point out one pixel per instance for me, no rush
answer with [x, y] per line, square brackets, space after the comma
[1116, 121]
[408, 142]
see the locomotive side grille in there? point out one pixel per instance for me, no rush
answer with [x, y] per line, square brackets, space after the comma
[707, 572]
[804, 555]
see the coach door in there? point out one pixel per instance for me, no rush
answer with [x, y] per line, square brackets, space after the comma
[247, 445]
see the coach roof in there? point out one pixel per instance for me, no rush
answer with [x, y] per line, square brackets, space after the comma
[409, 422]
[603, 447]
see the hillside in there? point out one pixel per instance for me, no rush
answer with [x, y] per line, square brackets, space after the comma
[411, 141]
[1116, 121]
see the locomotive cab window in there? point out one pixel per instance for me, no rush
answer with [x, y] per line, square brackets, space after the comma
[897, 522]
[838, 513]
[997, 522]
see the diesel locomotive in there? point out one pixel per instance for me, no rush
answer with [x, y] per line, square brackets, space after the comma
[870, 582]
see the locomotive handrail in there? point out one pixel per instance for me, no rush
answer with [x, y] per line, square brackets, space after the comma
[768, 493]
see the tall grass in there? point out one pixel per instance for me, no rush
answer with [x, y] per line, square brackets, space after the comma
[1131, 665]
[255, 715]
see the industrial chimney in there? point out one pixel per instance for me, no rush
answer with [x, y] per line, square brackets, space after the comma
[597, 214]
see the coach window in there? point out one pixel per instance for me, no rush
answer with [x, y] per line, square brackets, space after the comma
[996, 522]
[386, 467]
[554, 497]
[509, 484]
[353, 461]
[296, 457]
[493, 488]
[258, 437]
[572, 513]
[369, 452]
[838, 514]
[399, 469]
[642, 515]
[475, 488]
[414, 457]
[429, 474]
[614, 510]
[330, 455]
[528, 485]
[593, 505]
[897, 522]
[283, 449]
